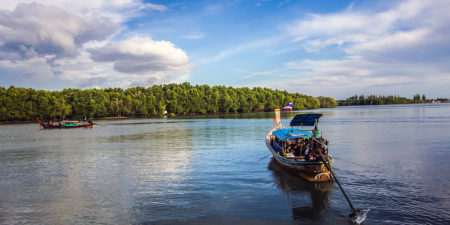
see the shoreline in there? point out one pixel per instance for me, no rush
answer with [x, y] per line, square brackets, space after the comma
[100, 118]
[191, 114]
[130, 117]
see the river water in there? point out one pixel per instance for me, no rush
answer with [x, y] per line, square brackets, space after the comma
[393, 159]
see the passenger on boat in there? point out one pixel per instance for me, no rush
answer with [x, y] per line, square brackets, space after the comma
[297, 149]
[290, 145]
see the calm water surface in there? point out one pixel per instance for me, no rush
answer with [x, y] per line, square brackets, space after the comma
[217, 170]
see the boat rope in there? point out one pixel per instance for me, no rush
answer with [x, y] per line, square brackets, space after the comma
[318, 177]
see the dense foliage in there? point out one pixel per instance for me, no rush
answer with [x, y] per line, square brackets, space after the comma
[327, 102]
[382, 100]
[182, 99]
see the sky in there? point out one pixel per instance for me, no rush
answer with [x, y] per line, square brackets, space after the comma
[319, 48]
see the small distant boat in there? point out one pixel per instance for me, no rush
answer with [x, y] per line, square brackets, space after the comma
[288, 107]
[65, 124]
[298, 149]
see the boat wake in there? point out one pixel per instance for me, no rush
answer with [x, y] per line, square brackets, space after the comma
[359, 216]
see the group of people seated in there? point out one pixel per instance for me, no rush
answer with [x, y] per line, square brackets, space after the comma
[298, 147]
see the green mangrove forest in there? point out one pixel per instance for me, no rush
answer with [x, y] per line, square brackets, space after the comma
[383, 100]
[23, 104]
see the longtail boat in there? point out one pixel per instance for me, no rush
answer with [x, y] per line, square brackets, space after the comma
[300, 150]
[64, 124]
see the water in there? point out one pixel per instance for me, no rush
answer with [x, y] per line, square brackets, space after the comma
[217, 170]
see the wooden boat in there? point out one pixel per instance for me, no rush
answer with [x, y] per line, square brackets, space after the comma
[65, 124]
[298, 149]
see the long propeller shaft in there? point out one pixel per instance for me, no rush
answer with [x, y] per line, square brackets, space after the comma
[325, 162]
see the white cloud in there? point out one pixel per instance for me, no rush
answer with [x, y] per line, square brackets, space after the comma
[361, 26]
[147, 60]
[355, 75]
[155, 7]
[36, 30]
[399, 49]
[83, 72]
[345, 77]
[62, 38]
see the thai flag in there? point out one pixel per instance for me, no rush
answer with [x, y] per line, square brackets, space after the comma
[288, 107]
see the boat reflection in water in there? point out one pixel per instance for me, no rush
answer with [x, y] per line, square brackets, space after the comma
[308, 199]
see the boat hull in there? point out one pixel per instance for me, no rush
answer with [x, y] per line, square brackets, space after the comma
[52, 125]
[310, 171]
[44, 126]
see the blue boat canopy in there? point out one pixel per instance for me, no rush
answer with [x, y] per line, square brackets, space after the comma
[288, 133]
[305, 119]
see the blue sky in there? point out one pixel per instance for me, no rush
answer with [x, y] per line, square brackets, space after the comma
[331, 48]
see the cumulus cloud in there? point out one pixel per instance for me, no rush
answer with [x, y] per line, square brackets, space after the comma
[36, 30]
[398, 48]
[72, 39]
[405, 25]
[153, 61]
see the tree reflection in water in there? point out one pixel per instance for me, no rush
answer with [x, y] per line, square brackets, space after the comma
[308, 200]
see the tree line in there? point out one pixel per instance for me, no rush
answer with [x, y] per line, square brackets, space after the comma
[327, 102]
[173, 99]
[383, 100]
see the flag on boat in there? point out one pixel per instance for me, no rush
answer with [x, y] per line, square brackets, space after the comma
[288, 107]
